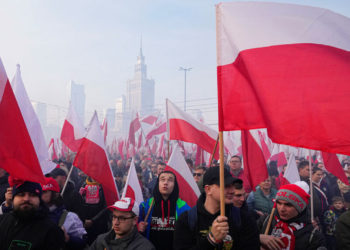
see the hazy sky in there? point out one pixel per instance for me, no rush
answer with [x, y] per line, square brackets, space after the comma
[96, 43]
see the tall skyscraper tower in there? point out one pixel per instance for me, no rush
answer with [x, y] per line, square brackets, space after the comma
[77, 97]
[140, 89]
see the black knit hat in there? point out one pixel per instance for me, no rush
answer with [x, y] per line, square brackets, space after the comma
[27, 186]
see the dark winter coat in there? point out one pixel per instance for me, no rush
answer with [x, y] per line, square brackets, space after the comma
[306, 238]
[244, 232]
[342, 231]
[35, 233]
[134, 241]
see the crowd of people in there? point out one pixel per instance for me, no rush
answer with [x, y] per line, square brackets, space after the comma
[273, 215]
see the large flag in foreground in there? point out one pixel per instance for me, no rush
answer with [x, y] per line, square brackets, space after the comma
[32, 123]
[17, 152]
[184, 127]
[73, 130]
[285, 67]
[132, 188]
[92, 159]
[188, 189]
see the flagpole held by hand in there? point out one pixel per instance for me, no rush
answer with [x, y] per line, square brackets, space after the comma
[149, 211]
[222, 179]
[270, 220]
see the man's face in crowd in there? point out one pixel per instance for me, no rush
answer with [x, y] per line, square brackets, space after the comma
[317, 176]
[235, 164]
[239, 197]
[339, 205]
[123, 223]
[286, 210]
[304, 172]
[26, 203]
[197, 175]
[154, 169]
[266, 184]
[214, 191]
[61, 179]
[166, 184]
[160, 169]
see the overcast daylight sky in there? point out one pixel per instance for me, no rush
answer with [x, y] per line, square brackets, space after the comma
[95, 43]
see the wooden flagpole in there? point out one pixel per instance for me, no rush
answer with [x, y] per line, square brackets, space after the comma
[212, 155]
[311, 189]
[222, 179]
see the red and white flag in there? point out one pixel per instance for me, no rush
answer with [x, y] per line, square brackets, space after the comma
[92, 159]
[157, 130]
[104, 129]
[188, 189]
[292, 173]
[332, 164]
[17, 153]
[32, 123]
[184, 127]
[53, 150]
[73, 130]
[285, 67]
[132, 188]
[135, 125]
[160, 148]
[255, 169]
[150, 119]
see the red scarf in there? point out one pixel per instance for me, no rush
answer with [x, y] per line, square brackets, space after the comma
[285, 232]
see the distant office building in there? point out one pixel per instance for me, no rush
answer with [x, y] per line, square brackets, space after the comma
[77, 97]
[140, 89]
[120, 104]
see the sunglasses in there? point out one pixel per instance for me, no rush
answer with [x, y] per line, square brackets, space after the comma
[197, 174]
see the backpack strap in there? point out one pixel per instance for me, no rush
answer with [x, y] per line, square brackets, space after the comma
[62, 218]
[192, 217]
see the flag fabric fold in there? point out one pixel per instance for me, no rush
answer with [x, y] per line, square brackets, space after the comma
[188, 189]
[92, 159]
[132, 188]
[255, 169]
[292, 173]
[73, 130]
[332, 164]
[286, 70]
[17, 153]
[184, 127]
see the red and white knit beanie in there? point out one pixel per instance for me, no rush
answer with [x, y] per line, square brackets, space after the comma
[295, 194]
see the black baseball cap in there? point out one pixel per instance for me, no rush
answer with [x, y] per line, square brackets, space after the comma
[212, 176]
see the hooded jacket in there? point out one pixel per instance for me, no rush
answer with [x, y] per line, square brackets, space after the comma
[162, 217]
[244, 234]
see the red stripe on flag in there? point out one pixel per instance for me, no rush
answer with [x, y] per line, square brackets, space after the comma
[18, 156]
[332, 164]
[299, 92]
[255, 168]
[67, 137]
[184, 131]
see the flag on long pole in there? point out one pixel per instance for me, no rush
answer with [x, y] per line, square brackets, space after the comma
[285, 67]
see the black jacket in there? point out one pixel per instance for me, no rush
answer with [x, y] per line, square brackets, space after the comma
[4, 184]
[245, 234]
[133, 241]
[306, 238]
[34, 233]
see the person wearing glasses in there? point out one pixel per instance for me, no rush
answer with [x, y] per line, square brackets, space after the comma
[235, 164]
[198, 173]
[124, 234]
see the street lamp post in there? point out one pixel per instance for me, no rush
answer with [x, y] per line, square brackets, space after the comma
[185, 70]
